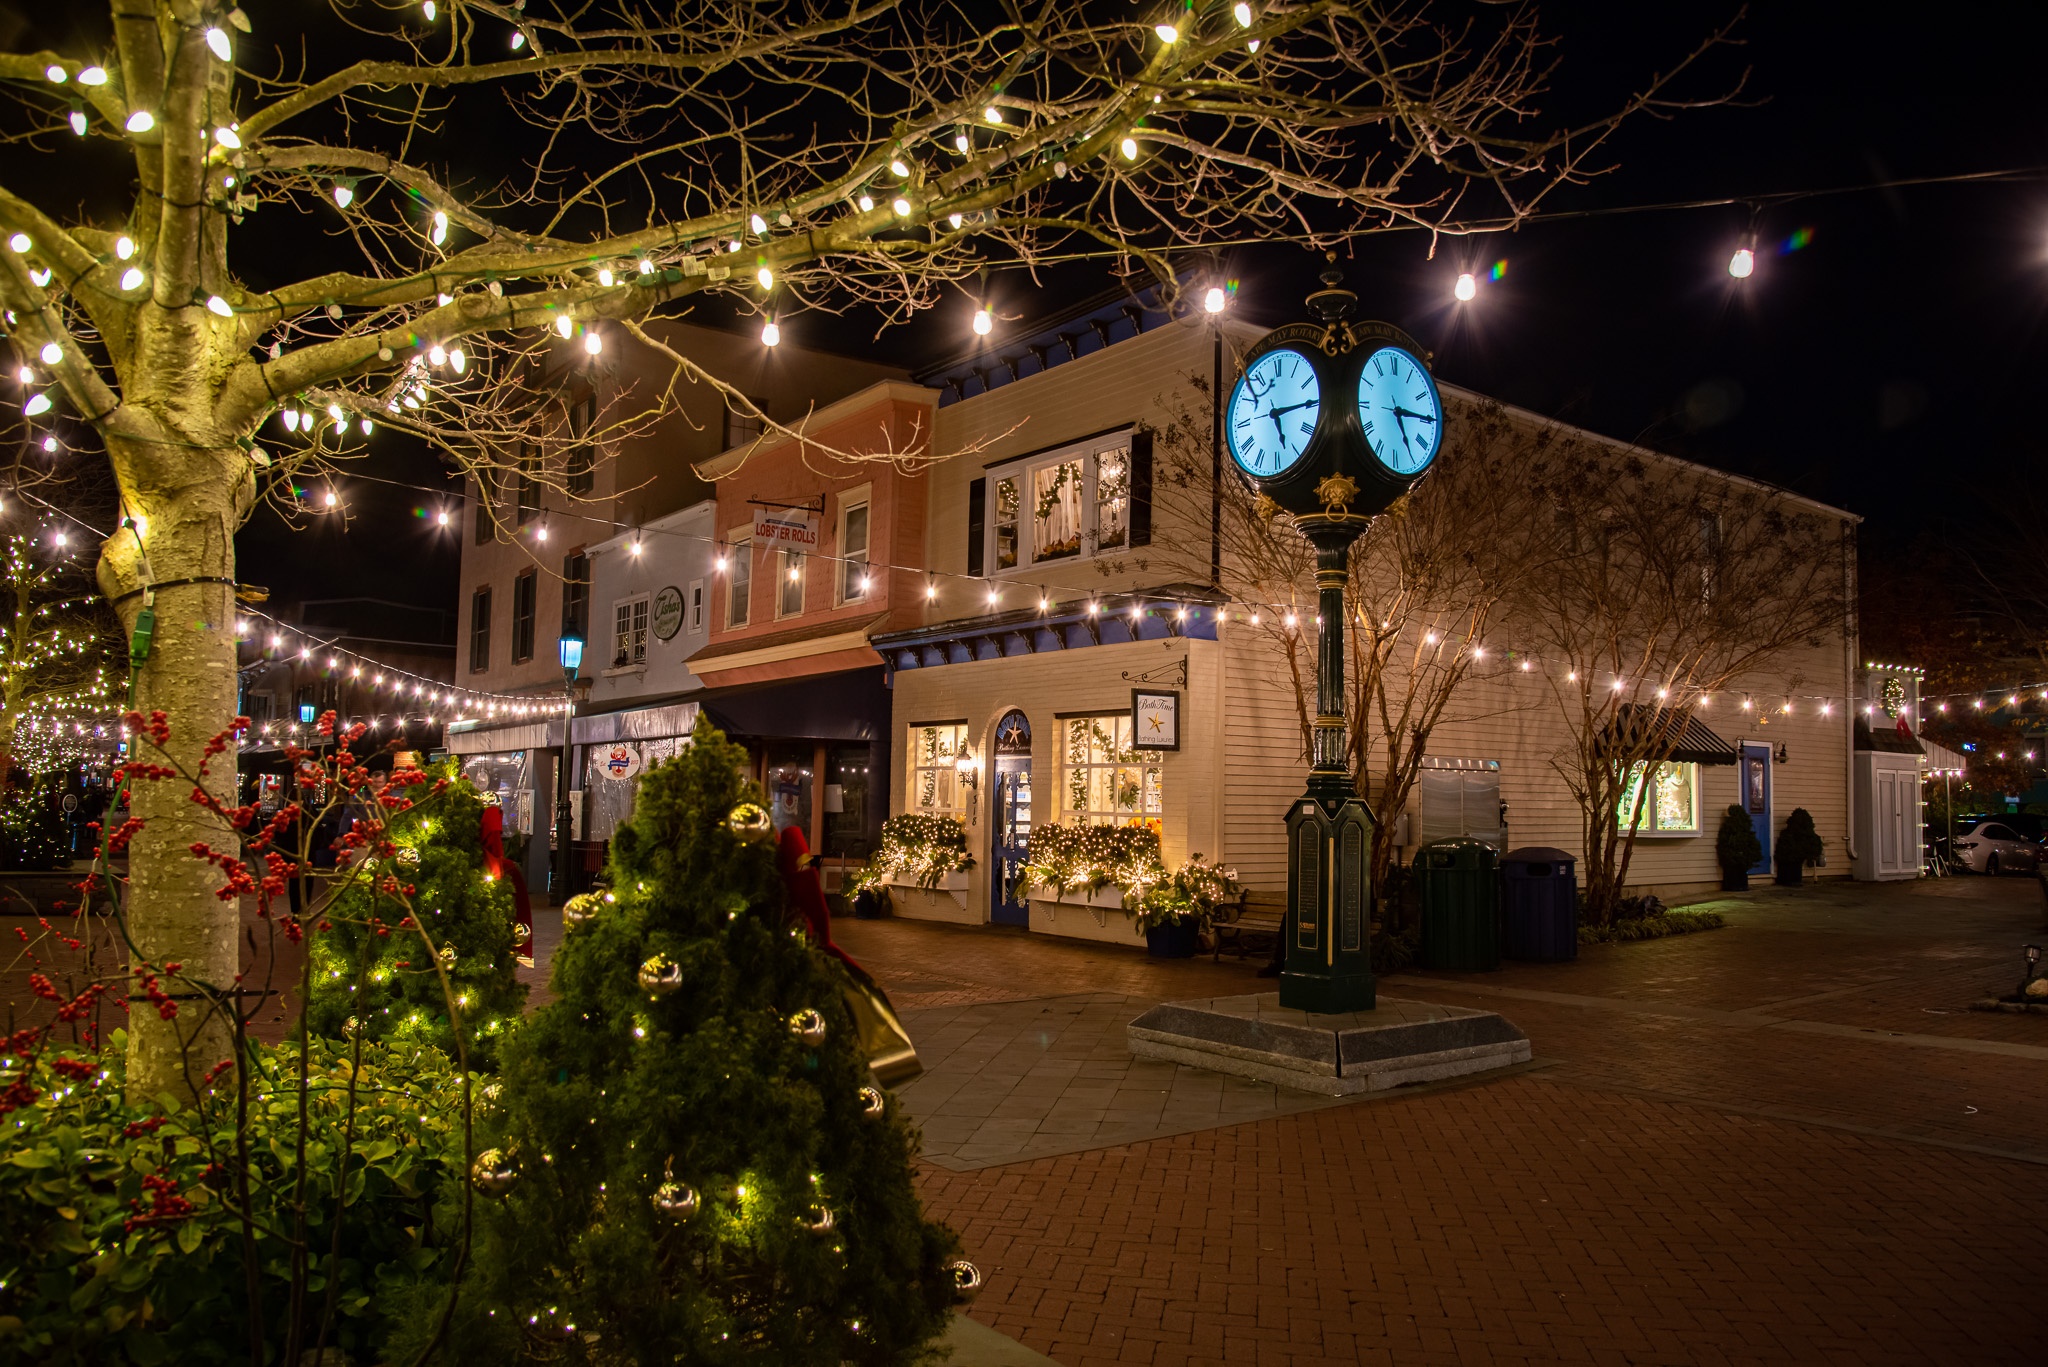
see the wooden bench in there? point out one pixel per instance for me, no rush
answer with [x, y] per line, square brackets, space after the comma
[1246, 927]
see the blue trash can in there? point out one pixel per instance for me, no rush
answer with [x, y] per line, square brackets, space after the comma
[1539, 902]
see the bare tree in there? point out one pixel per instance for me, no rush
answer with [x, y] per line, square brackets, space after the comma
[1649, 587]
[790, 156]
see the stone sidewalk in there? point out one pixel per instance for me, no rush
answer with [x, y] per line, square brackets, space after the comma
[1786, 1141]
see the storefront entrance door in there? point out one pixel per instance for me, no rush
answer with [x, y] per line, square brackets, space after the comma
[1756, 797]
[1010, 898]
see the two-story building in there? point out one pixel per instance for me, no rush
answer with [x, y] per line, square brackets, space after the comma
[613, 540]
[1074, 664]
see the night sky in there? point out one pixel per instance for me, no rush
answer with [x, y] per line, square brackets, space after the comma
[1890, 366]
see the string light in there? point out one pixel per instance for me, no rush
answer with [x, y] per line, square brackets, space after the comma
[984, 320]
[1467, 288]
[141, 121]
[1168, 34]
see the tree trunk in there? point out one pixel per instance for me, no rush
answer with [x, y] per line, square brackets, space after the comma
[172, 912]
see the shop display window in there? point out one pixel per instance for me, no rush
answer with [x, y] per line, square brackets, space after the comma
[1103, 780]
[935, 788]
[1672, 807]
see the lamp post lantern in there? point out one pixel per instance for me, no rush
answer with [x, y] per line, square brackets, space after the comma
[572, 660]
[1331, 421]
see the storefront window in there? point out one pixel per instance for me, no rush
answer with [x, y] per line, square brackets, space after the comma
[1103, 781]
[846, 802]
[934, 783]
[1672, 806]
[789, 785]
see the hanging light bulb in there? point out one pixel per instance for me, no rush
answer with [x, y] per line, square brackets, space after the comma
[366, 426]
[992, 114]
[438, 356]
[518, 39]
[646, 266]
[954, 219]
[141, 121]
[1214, 300]
[332, 499]
[593, 342]
[1467, 288]
[458, 360]
[962, 143]
[604, 277]
[441, 518]
[992, 595]
[217, 305]
[931, 591]
[37, 405]
[901, 206]
[766, 277]
[1243, 14]
[865, 203]
[291, 419]
[1168, 34]
[78, 122]
[633, 547]
[93, 75]
[984, 320]
[343, 192]
[55, 74]
[53, 354]
[218, 41]
[771, 335]
[50, 445]
[439, 232]
[20, 242]
[1743, 263]
[564, 325]
[132, 278]
[428, 7]
[1129, 147]
[230, 139]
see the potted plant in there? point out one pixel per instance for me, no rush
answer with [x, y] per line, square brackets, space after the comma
[1174, 911]
[1798, 845]
[1737, 849]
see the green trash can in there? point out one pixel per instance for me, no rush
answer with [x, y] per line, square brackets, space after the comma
[1459, 883]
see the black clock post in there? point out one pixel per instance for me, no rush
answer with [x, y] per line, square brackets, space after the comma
[1377, 425]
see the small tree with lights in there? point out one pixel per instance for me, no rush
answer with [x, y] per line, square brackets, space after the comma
[389, 986]
[695, 1164]
[60, 657]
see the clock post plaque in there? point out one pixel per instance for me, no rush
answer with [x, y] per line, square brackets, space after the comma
[1377, 427]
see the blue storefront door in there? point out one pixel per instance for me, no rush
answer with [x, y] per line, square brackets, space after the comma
[1756, 797]
[1009, 897]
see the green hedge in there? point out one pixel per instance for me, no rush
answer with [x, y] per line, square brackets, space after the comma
[1651, 927]
[124, 1243]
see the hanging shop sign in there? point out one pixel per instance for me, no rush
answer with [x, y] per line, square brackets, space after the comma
[668, 613]
[1155, 720]
[621, 761]
[785, 529]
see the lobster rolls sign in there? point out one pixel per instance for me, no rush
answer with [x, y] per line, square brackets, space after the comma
[785, 529]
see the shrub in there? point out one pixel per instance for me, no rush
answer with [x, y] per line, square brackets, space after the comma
[1736, 847]
[1799, 844]
[1191, 892]
[125, 1242]
[1073, 858]
[1651, 927]
[389, 983]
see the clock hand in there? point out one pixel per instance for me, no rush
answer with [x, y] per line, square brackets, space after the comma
[1423, 417]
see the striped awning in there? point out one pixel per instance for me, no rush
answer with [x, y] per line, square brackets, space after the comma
[1676, 731]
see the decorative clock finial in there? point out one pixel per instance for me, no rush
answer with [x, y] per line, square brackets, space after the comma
[1332, 303]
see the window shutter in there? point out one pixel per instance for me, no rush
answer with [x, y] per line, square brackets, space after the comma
[1141, 488]
[977, 524]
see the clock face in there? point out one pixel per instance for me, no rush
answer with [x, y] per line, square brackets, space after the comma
[1399, 409]
[1273, 413]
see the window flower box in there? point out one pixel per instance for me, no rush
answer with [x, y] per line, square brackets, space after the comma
[945, 900]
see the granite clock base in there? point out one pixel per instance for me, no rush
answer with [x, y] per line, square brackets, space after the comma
[1395, 1044]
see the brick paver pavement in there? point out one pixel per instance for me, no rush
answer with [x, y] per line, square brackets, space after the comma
[1788, 1141]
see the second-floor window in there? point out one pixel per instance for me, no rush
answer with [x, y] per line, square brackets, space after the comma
[576, 596]
[742, 427]
[480, 631]
[580, 476]
[696, 606]
[528, 486]
[789, 584]
[853, 550]
[1064, 505]
[486, 495]
[739, 586]
[629, 632]
[524, 589]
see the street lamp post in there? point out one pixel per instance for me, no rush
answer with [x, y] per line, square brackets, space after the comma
[572, 659]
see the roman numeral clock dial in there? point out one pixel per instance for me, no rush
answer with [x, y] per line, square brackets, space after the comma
[1273, 413]
[1399, 411]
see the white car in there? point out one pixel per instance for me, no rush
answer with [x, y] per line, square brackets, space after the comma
[1994, 847]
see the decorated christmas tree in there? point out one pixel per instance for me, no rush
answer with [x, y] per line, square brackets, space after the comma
[690, 1159]
[373, 967]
